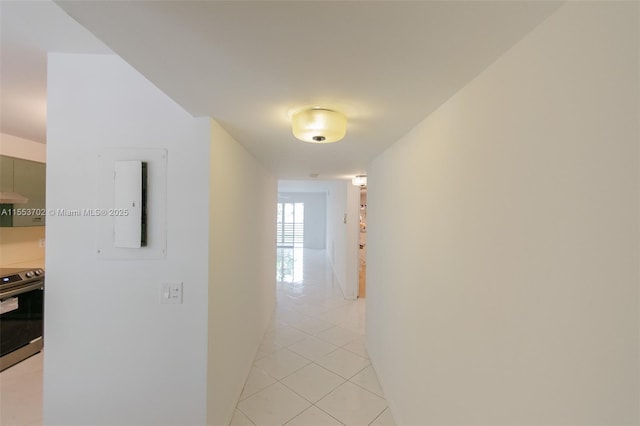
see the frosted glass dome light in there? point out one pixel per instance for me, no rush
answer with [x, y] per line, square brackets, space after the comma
[319, 125]
[360, 180]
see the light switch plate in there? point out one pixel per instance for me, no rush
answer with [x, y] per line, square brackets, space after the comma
[171, 293]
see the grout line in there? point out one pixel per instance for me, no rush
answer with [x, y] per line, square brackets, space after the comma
[362, 387]
[247, 416]
[376, 417]
[328, 414]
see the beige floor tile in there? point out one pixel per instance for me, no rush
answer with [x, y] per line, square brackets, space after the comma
[313, 416]
[256, 381]
[368, 379]
[312, 382]
[239, 419]
[312, 325]
[21, 393]
[358, 347]
[274, 405]
[352, 405]
[338, 336]
[343, 363]
[281, 363]
[384, 419]
[312, 348]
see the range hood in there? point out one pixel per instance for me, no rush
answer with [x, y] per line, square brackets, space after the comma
[10, 197]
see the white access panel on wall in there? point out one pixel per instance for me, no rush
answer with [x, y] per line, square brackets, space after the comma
[123, 229]
[128, 190]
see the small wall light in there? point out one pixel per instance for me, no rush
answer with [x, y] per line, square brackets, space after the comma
[360, 180]
[319, 125]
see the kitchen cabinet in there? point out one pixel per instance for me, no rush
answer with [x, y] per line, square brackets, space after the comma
[6, 173]
[26, 178]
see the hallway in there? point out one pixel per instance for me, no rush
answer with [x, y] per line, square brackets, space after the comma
[312, 366]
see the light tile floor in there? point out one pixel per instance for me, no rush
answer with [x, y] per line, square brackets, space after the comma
[21, 393]
[312, 366]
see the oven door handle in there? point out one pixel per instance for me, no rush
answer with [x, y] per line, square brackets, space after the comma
[20, 290]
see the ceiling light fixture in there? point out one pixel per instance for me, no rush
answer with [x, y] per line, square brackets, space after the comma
[360, 180]
[319, 125]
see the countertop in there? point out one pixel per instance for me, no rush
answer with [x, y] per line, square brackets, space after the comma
[35, 263]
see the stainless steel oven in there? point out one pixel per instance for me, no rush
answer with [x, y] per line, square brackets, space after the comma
[21, 314]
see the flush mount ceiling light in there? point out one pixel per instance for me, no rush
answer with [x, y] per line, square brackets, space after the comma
[360, 180]
[319, 125]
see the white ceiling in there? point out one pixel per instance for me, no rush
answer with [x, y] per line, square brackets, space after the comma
[385, 64]
[28, 30]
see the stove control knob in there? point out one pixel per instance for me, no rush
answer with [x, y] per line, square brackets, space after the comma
[29, 274]
[38, 272]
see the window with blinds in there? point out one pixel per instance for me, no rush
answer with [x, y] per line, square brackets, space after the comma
[290, 225]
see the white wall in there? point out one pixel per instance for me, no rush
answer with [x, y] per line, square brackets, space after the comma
[315, 216]
[342, 238]
[242, 271]
[305, 185]
[114, 355]
[503, 263]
